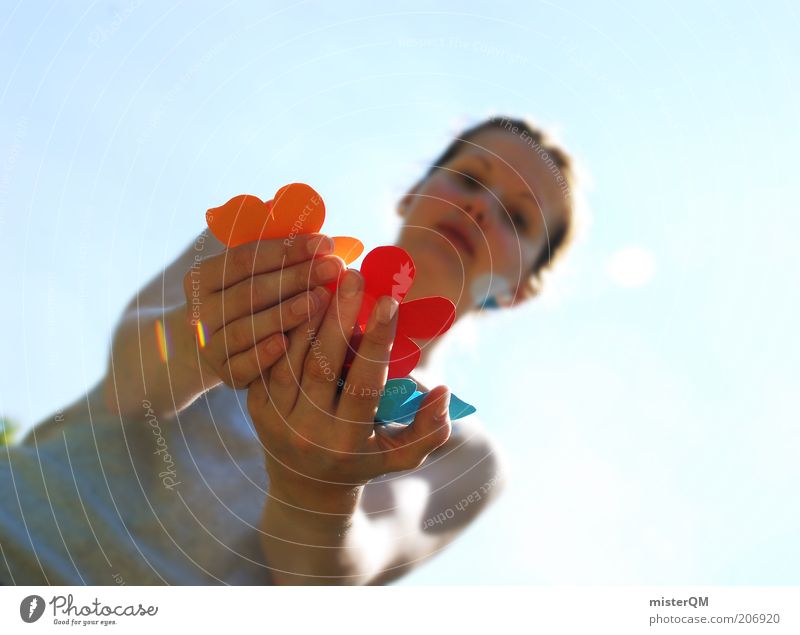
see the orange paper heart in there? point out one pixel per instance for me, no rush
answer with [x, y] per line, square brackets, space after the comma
[296, 209]
[347, 248]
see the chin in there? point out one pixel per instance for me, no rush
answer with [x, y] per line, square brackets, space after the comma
[434, 276]
[440, 269]
[437, 255]
[445, 267]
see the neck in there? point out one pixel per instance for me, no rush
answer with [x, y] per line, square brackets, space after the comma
[427, 286]
[429, 346]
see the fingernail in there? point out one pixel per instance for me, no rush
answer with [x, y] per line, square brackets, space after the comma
[351, 284]
[304, 305]
[322, 295]
[325, 270]
[385, 309]
[319, 245]
[275, 344]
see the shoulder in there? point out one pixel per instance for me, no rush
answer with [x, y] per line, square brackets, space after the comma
[471, 457]
[470, 472]
[425, 509]
[454, 484]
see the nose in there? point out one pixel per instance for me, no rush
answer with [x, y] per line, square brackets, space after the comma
[480, 207]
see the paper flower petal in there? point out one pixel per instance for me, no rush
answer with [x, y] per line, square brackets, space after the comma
[393, 410]
[296, 209]
[426, 318]
[404, 357]
[347, 248]
[241, 220]
[402, 360]
[459, 408]
[395, 393]
[386, 270]
[390, 271]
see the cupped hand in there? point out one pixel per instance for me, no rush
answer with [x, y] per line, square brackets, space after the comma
[318, 428]
[247, 297]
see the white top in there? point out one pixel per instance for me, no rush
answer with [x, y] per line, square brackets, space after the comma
[90, 498]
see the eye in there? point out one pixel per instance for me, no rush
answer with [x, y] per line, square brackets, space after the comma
[519, 219]
[469, 180]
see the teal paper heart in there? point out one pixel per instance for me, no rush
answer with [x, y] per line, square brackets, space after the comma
[401, 401]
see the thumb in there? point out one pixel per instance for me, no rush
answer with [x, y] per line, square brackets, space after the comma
[430, 430]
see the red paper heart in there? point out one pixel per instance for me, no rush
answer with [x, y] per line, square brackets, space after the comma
[403, 358]
[390, 271]
[386, 270]
[426, 318]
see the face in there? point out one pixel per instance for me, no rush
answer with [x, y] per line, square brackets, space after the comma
[476, 226]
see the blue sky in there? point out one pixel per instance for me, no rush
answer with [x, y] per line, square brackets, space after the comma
[648, 405]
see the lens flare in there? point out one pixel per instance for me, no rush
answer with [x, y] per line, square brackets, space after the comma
[162, 337]
[201, 334]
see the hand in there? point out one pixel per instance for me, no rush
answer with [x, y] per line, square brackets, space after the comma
[247, 297]
[321, 443]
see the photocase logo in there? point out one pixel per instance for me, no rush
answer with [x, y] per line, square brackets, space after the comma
[31, 608]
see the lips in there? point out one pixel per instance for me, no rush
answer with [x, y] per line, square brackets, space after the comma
[457, 236]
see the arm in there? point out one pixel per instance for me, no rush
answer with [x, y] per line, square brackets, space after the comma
[136, 370]
[329, 465]
[421, 511]
[399, 521]
[244, 297]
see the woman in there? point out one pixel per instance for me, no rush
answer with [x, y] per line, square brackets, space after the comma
[159, 475]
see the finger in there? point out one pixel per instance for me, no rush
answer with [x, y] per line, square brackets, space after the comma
[285, 375]
[367, 376]
[242, 334]
[323, 364]
[262, 256]
[244, 368]
[407, 448]
[264, 291]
